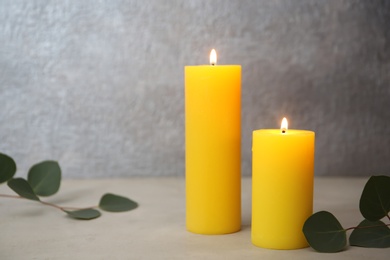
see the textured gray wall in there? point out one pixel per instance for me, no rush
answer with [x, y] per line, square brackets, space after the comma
[98, 85]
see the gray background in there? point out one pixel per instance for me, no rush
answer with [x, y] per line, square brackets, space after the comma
[98, 85]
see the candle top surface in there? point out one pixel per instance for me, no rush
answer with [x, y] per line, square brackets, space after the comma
[279, 132]
[213, 66]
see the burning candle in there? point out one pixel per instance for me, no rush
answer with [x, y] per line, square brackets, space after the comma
[282, 186]
[213, 147]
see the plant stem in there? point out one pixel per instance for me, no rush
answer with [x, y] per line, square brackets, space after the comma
[11, 196]
[52, 205]
[46, 203]
[366, 227]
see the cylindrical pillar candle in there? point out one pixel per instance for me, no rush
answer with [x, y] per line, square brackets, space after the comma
[213, 148]
[282, 186]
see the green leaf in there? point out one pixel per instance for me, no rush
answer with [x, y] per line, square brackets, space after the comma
[45, 178]
[7, 168]
[370, 234]
[85, 214]
[375, 200]
[115, 203]
[324, 232]
[22, 188]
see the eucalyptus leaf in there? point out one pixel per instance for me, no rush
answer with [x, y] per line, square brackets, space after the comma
[114, 203]
[324, 232]
[85, 214]
[7, 167]
[370, 234]
[375, 199]
[22, 188]
[45, 178]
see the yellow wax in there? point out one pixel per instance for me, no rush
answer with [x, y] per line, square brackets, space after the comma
[282, 187]
[213, 148]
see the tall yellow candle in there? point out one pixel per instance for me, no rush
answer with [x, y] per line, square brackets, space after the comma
[213, 148]
[282, 186]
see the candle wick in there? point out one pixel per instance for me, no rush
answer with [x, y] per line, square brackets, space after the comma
[283, 131]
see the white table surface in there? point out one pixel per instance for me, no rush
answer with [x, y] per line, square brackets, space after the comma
[155, 230]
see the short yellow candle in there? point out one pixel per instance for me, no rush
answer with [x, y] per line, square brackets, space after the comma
[213, 148]
[282, 186]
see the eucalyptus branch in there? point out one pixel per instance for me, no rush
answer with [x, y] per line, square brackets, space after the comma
[44, 179]
[324, 232]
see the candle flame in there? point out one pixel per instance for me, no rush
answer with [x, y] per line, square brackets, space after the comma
[213, 57]
[284, 125]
